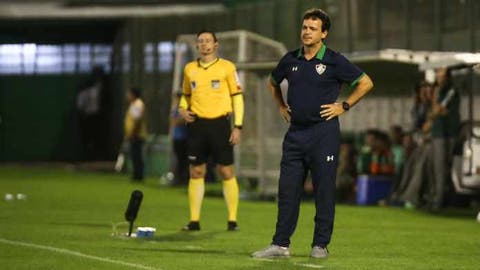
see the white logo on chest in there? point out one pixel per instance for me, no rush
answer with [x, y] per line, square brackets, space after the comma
[320, 68]
[329, 158]
[295, 68]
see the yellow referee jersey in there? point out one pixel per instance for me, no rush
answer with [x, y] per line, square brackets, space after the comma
[210, 87]
[135, 124]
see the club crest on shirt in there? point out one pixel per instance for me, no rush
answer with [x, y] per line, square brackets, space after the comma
[193, 85]
[215, 84]
[320, 68]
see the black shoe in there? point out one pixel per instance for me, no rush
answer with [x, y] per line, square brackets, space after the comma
[192, 226]
[232, 226]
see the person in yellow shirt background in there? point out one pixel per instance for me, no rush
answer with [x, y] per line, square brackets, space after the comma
[136, 131]
[211, 93]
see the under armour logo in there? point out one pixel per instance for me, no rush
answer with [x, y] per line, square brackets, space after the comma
[329, 158]
[295, 68]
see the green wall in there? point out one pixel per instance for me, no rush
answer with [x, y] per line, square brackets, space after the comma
[39, 121]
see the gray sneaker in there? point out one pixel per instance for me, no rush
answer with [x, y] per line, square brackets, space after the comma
[272, 251]
[319, 252]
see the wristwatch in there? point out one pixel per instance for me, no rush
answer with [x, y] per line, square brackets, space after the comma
[345, 106]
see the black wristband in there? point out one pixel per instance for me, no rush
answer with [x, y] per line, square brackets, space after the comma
[237, 127]
[345, 106]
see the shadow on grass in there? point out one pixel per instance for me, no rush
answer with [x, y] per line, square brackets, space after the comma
[189, 249]
[453, 213]
[185, 236]
[83, 224]
[185, 250]
[296, 262]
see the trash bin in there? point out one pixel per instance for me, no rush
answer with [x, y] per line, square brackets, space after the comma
[373, 188]
[157, 155]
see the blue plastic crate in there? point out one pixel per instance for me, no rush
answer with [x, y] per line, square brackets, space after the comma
[373, 188]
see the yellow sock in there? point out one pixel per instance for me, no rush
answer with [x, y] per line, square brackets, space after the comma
[196, 189]
[230, 192]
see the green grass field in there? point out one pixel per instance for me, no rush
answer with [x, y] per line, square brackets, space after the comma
[66, 223]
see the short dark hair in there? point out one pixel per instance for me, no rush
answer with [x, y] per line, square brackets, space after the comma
[420, 84]
[372, 131]
[316, 13]
[208, 32]
[136, 92]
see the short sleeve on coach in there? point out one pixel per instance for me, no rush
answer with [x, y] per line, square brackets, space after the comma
[348, 72]
[278, 74]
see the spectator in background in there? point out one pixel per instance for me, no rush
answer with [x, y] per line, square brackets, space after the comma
[417, 168]
[408, 144]
[382, 158]
[89, 102]
[422, 104]
[444, 130]
[365, 157]
[179, 132]
[136, 131]
[346, 172]
[398, 152]
[409, 147]
[414, 178]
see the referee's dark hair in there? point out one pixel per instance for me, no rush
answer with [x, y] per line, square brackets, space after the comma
[203, 31]
[316, 13]
[136, 92]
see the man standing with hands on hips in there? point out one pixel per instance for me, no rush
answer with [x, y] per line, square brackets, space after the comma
[315, 75]
[211, 92]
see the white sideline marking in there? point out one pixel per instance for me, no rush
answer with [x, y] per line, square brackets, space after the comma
[75, 253]
[310, 265]
[264, 259]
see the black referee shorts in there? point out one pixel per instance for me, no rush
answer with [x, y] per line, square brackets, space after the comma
[209, 138]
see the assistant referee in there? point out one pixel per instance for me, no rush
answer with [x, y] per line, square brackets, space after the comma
[211, 92]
